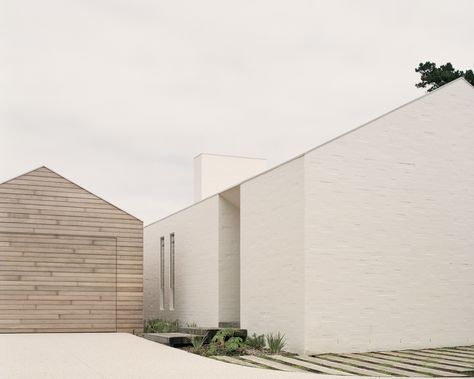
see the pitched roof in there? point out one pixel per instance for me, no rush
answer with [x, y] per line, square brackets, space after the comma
[440, 89]
[48, 170]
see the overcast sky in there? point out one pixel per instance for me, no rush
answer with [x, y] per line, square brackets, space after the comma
[119, 96]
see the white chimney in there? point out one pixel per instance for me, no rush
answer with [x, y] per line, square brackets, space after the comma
[214, 173]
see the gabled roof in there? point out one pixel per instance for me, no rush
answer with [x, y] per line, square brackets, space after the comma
[48, 170]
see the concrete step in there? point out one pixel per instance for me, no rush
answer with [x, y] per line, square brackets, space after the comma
[197, 330]
[211, 332]
[170, 339]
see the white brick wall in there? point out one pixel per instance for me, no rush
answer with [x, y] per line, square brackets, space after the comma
[389, 220]
[196, 264]
[272, 287]
[365, 243]
[206, 264]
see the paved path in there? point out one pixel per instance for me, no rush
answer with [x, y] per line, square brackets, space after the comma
[114, 356]
[440, 363]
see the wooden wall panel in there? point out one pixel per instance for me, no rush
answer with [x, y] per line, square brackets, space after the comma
[69, 261]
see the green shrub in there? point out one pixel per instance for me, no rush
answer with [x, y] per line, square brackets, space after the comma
[221, 336]
[256, 342]
[161, 326]
[233, 344]
[224, 342]
[275, 342]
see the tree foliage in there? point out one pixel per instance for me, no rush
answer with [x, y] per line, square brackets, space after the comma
[434, 77]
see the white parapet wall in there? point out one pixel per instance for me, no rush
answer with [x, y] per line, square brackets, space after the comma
[214, 173]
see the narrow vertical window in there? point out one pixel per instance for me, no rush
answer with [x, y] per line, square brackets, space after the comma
[172, 271]
[162, 273]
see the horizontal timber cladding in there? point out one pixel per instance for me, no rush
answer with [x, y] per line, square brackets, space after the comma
[69, 261]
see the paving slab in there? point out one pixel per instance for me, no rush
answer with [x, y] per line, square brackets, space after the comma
[234, 360]
[465, 349]
[459, 352]
[449, 353]
[310, 365]
[344, 367]
[377, 366]
[401, 368]
[425, 353]
[426, 358]
[271, 363]
[419, 362]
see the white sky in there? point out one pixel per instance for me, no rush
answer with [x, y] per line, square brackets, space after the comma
[119, 96]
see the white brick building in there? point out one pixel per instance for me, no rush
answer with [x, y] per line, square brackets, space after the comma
[363, 243]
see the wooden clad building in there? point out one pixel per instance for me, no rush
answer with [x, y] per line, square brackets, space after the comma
[69, 261]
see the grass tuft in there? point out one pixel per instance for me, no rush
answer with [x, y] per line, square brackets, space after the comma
[276, 342]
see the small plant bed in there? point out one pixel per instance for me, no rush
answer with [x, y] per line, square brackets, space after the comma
[226, 343]
[267, 351]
